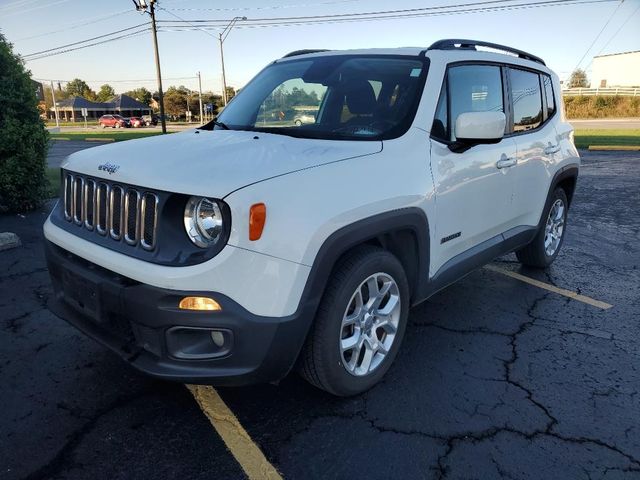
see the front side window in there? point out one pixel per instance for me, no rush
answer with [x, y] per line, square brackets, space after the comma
[469, 88]
[526, 100]
[332, 97]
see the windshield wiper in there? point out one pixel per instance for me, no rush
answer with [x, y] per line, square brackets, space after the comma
[218, 123]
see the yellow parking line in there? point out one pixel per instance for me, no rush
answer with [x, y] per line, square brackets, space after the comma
[551, 288]
[238, 441]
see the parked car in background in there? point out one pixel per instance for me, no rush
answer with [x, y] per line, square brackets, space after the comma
[150, 120]
[137, 122]
[304, 118]
[114, 121]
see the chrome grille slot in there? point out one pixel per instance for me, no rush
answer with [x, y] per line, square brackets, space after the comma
[68, 195]
[115, 212]
[122, 212]
[148, 220]
[131, 212]
[89, 203]
[102, 208]
[78, 187]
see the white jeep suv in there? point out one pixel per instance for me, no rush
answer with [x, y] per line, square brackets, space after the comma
[236, 252]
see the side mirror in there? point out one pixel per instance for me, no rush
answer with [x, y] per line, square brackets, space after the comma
[473, 128]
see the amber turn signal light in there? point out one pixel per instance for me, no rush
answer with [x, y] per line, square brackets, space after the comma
[257, 219]
[199, 303]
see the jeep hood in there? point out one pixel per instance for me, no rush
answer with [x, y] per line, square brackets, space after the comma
[211, 163]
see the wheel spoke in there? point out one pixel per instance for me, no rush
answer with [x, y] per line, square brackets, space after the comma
[390, 307]
[351, 342]
[372, 285]
[366, 359]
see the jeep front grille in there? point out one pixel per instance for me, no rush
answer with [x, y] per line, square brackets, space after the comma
[123, 213]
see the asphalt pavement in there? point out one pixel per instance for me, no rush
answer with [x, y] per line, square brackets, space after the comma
[61, 149]
[497, 378]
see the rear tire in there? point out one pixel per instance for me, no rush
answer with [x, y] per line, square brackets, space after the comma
[359, 325]
[546, 245]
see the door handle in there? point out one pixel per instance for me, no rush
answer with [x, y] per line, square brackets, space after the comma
[506, 162]
[551, 149]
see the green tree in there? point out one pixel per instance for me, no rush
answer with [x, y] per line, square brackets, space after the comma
[106, 93]
[578, 79]
[141, 94]
[79, 88]
[175, 101]
[231, 92]
[23, 138]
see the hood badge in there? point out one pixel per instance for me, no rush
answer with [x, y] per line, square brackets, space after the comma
[109, 167]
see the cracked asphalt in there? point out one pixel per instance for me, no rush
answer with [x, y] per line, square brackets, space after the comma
[496, 378]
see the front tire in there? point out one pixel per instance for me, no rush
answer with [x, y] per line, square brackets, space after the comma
[544, 248]
[359, 324]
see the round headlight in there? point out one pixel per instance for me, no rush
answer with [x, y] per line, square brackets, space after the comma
[203, 221]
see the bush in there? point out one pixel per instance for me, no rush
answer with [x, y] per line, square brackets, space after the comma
[602, 106]
[23, 138]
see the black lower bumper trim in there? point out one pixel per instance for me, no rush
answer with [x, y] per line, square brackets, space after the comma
[132, 319]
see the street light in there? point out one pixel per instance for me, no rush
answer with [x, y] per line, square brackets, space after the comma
[141, 6]
[222, 37]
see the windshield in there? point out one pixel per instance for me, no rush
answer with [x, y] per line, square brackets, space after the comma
[333, 97]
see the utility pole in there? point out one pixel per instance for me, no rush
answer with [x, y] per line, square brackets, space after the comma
[55, 105]
[222, 37]
[141, 6]
[200, 97]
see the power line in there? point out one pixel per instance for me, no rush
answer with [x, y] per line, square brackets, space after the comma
[616, 33]
[408, 11]
[38, 7]
[269, 7]
[90, 21]
[128, 35]
[599, 33]
[83, 41]
[186, 21]
[334, 19]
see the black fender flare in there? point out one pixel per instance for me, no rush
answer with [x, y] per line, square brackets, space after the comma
[410, 219]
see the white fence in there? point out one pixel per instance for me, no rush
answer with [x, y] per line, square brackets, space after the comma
[590, 92]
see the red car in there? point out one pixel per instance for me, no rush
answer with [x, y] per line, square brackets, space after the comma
[137, 122]
[113, 121]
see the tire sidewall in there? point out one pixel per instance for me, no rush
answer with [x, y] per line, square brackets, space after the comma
[345, 383]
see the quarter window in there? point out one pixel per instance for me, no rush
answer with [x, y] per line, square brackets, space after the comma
[526, 99]
[470, 88]
[548, 90]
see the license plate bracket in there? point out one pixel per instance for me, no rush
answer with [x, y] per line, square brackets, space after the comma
[82, 294]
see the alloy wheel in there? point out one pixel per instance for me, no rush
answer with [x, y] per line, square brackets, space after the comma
[370, 324]
[554, 228]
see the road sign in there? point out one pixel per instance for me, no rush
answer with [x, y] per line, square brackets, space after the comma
[84, 112]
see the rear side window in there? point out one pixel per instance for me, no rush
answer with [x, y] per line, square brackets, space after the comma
[526, 100]
[548, 91]
[468, 88]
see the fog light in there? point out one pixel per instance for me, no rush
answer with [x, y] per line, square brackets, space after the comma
[218, 338]
[199, 303]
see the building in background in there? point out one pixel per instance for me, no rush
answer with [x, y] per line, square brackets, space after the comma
[616, 70]
[70, 109]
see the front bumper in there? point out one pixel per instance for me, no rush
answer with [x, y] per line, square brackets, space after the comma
[135, 320]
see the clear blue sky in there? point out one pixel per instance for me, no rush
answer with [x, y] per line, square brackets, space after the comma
[560, 35]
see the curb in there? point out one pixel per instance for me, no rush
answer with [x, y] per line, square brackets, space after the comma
[627, 148]
[59, 138]
[99, 139]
